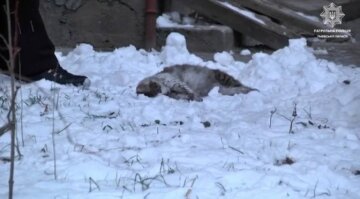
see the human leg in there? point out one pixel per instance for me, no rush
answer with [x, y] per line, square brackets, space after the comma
[36, 57]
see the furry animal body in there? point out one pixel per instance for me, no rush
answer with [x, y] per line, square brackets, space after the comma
[190, 82]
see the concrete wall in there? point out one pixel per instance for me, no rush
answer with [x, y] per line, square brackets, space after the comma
[105, 24]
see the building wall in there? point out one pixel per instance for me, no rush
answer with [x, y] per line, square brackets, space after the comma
[105, 24]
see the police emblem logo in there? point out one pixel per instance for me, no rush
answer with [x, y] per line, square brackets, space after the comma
[332, 15]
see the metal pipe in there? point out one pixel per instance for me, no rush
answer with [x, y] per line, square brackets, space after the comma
[150, 24]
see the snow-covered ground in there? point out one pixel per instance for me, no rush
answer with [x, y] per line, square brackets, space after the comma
[111, 143]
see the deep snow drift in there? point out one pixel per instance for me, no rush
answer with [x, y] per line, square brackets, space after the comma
[111, 143]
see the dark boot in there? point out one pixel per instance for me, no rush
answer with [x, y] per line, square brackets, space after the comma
[61, 76]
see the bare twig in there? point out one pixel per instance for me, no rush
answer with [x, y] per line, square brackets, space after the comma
[53, 133]
[92, 181]
[328, 193]
[11, 67]
[314, 193]
[5, 129]
[272, 112]
[188, 192]
[3, 57]
[21, 118]
[283, 116]
[237, 150]
[194, 180]
[294, 115]
[5, 41]
[145, 182]
[18, 148]
[67, 126]
[12, 121]
[308, 112]
[221, 187]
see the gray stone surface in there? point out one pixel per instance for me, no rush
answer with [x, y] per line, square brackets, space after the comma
[347, 53]
[201, 38]
[354, 26]
[103, 23]
[315, 7]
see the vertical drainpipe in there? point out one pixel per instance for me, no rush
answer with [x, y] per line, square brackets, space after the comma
[150, 24]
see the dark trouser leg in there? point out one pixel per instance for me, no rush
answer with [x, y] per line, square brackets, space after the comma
[37, 58]
[36, 50]
[3, 32]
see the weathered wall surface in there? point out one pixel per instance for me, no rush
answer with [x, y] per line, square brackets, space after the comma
[105, 24]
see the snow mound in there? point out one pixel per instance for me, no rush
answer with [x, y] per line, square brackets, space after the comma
[292, 70]
[245, 52]
[176, 52]
[224, 58]
[298, 137]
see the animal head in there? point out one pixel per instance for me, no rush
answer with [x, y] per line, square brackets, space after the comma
[148, 87]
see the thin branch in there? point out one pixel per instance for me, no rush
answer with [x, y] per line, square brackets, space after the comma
[314, 192]
[5, 129]
[67, 126]
[92, 181]
[53, 133]
[21, 117]
[237, 150]
[4, 59]
[18, 148]
[283, 116]
[308, 113]
[12, 121]
[272, 112]
[5, 41]
[294, 115]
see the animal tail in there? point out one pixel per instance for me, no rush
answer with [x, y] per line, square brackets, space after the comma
[225, 79]
[229, 85]
[236, 90]
[246, 89]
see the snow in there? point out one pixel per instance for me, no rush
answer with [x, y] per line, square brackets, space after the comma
[176, 52]
[165, 20]
[175, 19]
[321, 52]
[310, 17]
[224, 58]
[245, 52]
[242, 11]
[138, 147]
